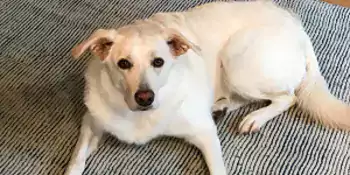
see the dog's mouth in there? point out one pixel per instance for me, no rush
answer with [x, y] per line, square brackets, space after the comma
[143, 108]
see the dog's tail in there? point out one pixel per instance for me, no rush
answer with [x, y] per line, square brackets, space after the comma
[315, 97]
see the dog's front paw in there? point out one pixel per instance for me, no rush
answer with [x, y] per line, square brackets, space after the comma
[250, 124]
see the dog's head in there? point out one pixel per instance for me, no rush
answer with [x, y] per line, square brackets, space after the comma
[139, 56]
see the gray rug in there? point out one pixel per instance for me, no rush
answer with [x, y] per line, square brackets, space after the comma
[41, 97]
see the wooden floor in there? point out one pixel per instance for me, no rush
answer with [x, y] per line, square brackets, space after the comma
[345, 3]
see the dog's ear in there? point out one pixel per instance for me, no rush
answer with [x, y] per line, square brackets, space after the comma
[178, 44]
[99, 44]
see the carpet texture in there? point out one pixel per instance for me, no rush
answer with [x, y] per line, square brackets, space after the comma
[41, 104]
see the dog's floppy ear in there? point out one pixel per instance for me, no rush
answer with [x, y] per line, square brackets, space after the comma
[178, 44]
[99, 44]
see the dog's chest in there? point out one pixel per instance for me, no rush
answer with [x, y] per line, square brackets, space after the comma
[131, 127]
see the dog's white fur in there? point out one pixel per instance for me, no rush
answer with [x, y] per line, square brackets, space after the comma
[248, 51]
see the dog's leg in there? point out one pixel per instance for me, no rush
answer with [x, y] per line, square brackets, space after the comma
[221, 95]
[225, 100]
[224, 105]
[209, 144]
[231, 104]
[87, 143]
[255, 120]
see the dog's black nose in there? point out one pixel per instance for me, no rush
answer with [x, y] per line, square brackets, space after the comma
[144, 97]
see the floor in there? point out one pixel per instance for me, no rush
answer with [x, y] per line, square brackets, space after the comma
[345, 3]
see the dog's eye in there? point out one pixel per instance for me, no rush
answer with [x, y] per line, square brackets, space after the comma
[157, 62]
[124, 64]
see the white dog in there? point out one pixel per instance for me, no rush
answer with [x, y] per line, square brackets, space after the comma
[164, 76]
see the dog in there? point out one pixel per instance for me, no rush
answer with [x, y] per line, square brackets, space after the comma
[165, 75]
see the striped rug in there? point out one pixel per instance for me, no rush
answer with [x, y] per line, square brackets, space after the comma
[41, 97]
